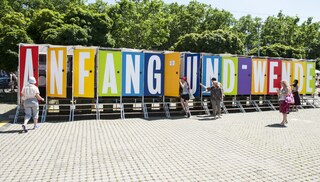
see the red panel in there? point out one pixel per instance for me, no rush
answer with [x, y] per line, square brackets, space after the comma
[33, 56]
[274, 72]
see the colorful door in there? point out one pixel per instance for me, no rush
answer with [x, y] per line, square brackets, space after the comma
[230, 75]
[171, 76]
[244, 76]
[299, 73]
[110, 73]
[154, 70]
[57, 72]
[83, 75]
[274, 71]
[29, 64]
[286, 73]
[259, 76]
[310, 77]
[211, 67]
[192, 72]
[132, 73]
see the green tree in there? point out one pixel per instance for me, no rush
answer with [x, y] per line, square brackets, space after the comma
[218, 41]
[280, 50]
[43, 20]
[12, 32]
[5, 7]
[97, 25]
[139, 24]
[67, 35]
[281, 29]
[217, 19]
[184, 19]
[247, 30]
[308, 37]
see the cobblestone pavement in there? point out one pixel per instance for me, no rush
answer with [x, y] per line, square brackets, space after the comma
[237, 147]
[6, 110]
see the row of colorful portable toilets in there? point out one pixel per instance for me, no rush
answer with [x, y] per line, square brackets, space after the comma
[95, 72]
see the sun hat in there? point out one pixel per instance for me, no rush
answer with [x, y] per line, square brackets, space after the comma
[32, 80]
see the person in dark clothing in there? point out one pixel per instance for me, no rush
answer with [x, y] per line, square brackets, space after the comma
[295, 88]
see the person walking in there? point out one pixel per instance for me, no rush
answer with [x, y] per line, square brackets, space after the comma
[30, 95]
[184, 98]
[284, 107]
[13, 81]
[222, 91]
[297, 101]
[216, 96]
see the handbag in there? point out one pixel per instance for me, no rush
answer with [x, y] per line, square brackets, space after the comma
[289, 99]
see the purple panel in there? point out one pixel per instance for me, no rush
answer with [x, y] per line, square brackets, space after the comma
[244, 76]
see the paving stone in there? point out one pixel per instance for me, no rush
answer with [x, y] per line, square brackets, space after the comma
[238, 147]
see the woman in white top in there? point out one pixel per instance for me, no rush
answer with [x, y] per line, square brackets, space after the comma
[284, 107]
[185, 95]
[30, 96]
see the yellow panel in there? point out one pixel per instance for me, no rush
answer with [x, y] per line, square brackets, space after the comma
[83, 74]
[299, 73]
[171, 76]
[57, 72]
[259, 76]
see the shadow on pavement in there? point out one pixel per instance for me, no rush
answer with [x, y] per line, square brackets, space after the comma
[12, 131]
[276, 125]
[206, 119]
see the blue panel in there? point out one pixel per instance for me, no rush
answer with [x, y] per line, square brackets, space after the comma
[154, 74]
[132, 73]
[192, 71]
[211, 67]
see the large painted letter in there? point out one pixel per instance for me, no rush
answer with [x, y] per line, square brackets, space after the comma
[299, 74]
[29, 64]
[133, 73]
[229, 77]
[244, 78]
[286, 73]
[57, 72]
[171, 76]
[154, 67]
[259, 76]
[192, 71]
[274, 70]
[211, 67]
[83, 73]
[310, 79]
[109, 73]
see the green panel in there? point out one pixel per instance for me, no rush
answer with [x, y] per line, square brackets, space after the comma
[310, 77]
[230, 75]
[109, 73]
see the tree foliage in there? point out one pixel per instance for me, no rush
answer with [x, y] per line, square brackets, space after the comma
[280, 50]
[152, 24]
[218, 41]
[12, 32]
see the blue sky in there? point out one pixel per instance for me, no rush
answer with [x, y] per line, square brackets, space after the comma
[260, 8]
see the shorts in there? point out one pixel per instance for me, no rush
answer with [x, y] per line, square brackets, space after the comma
[31, 109]
[185, 97]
